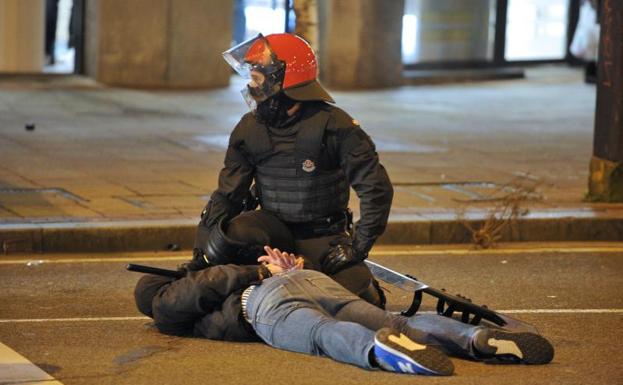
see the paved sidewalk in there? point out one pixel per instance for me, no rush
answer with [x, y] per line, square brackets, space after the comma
[138, 166]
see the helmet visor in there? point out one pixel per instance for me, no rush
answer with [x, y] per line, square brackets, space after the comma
[256, 61]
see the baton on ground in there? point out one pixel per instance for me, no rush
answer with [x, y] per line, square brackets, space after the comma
[155, 270]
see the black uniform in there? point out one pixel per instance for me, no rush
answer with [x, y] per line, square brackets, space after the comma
[303, 172]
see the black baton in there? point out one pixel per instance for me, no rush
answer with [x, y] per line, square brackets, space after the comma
[155, 270]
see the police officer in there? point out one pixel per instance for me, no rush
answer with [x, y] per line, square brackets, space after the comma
[303, 154]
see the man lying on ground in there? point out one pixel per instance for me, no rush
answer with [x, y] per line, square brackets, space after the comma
[306, 311]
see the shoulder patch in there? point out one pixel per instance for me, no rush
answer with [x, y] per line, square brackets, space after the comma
[342, 119]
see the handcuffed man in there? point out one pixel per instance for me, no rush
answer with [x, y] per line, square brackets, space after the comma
[306, 311]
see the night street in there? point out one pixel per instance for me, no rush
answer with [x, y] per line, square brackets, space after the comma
[73, 316]
[475, 147]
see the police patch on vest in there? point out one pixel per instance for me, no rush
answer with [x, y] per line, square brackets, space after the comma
[309, 165]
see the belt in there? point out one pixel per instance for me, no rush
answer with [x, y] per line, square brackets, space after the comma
[244, 298]
[330, 225]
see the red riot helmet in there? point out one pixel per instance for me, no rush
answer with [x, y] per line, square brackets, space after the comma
[277, 62]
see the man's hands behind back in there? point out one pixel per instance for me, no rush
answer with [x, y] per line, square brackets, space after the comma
[278, 261]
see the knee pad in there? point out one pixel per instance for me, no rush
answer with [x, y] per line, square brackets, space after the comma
[220, 249]
[242, 240]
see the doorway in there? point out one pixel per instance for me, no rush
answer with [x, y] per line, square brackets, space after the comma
[60, 38]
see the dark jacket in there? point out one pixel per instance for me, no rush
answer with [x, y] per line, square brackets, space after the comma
[350, 147]
[204, 303]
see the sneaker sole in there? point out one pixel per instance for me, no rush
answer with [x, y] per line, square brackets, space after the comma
[527, 348]
[428, 361]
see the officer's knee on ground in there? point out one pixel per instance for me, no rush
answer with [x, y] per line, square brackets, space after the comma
[358, 279]
[373, 294]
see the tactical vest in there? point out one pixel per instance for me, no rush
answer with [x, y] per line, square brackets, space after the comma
[303, 183]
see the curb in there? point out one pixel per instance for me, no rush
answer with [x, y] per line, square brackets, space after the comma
[155, 235]
[444, 76]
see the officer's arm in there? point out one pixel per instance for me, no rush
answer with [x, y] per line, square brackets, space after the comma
[177, 306]
[370, 181]
[234, 182]
[233, 185]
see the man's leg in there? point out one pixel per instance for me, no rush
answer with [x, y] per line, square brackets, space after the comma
[310, 331]
[452, 336]
[484, 343]
[456, 337]
[294, 312]
[352, 343]
[286, 317]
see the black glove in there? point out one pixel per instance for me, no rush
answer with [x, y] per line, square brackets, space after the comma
[340, 255]
[199, 262]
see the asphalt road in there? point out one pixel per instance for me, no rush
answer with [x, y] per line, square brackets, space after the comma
[73, 316]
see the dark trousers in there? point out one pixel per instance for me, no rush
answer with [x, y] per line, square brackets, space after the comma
[356, 278]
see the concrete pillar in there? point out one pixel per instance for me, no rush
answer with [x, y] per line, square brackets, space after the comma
[158, 43]
[22, 25]
[360, 43]
[606, 166]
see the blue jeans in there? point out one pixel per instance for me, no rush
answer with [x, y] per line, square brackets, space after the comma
[305, 311]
